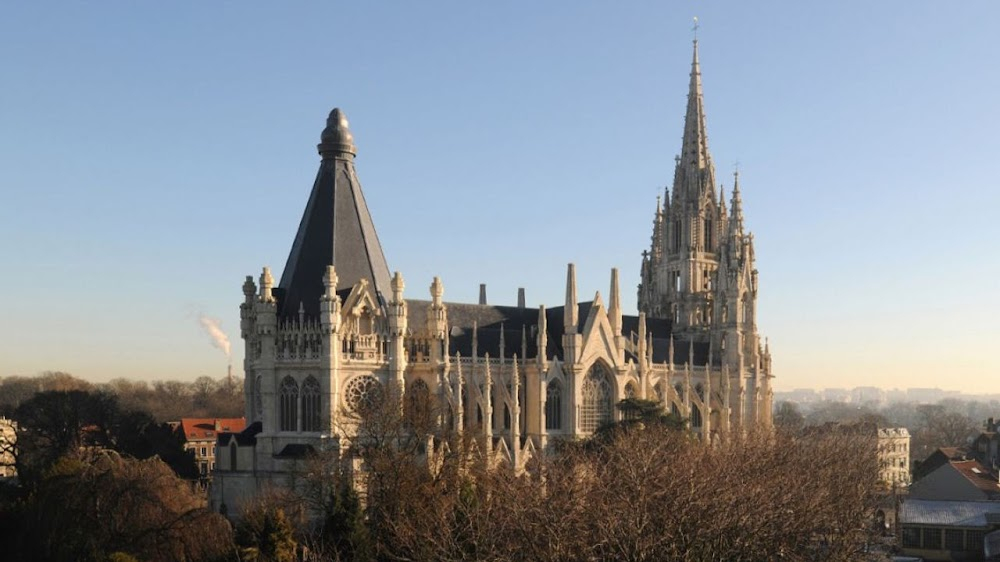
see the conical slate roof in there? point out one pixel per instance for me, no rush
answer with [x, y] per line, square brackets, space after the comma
[336, 229]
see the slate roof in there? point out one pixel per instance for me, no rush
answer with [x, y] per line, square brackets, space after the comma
[489, 319]
[947, 513]
[245, 438]
[980, 476]
[296, 451]
[336, 229]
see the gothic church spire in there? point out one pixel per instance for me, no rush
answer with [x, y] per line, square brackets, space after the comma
[694, 150]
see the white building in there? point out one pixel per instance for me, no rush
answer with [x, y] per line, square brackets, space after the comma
[894, 455]
[338, 327]
[8, 439]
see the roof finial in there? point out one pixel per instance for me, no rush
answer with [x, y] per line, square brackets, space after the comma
[695, 30]
[336, 139]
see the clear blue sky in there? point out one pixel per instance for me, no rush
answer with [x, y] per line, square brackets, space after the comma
[153, 154]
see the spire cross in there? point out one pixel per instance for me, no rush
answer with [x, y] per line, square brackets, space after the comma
[736, 169]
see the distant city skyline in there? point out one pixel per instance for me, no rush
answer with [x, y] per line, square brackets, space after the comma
[151, 158]
[871, 394]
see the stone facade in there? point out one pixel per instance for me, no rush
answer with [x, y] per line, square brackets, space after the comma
[8, 439]
[894, 455]
[338, 327]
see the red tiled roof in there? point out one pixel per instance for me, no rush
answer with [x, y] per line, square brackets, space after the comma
[982, 477]
[200, 429]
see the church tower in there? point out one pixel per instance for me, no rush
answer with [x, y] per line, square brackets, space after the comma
[699, 272]
[337, 331]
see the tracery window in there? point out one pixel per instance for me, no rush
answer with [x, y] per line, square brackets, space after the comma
[362, 393]
[310, 405]
[418, 404]
[598, 397]
[289, 405]
[695, 416]
[553, 405]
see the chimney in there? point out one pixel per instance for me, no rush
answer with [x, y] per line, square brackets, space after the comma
[520, 297]
[482, 293]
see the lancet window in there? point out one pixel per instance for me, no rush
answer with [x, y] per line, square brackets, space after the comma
[289, 405]
[418, 404]
[310, 405]
[598, 398]
[553, 405]
[695, 416]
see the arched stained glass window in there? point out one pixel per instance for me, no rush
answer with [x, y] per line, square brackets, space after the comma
[289, 405]
[630, 391]
[418, 404]
[310, 405]
[598, 398]
[553, 405]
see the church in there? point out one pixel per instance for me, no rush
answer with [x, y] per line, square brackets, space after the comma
[338, 328]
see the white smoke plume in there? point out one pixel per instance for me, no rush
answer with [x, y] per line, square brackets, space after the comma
[214, 330]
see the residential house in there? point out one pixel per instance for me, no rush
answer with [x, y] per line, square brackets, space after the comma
[8, 437]
[199, 435]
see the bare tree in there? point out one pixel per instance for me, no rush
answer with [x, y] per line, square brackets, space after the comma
[640, 491]
[90, 506]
